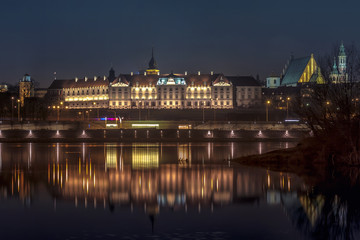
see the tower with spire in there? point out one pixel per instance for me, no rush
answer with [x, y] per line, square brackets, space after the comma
[153, 68]
[338, 73]
[342, 59]
[111, 75]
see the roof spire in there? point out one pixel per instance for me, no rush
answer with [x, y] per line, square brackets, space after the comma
[335, 68]
[152, 63]
[342, 49]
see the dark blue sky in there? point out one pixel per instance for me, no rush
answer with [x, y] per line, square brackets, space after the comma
[82, 38]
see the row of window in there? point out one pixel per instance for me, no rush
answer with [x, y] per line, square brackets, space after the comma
[82, 92]
[171, 103]
[171, 89]
[249, 89]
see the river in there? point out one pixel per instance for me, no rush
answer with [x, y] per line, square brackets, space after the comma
[157, 191]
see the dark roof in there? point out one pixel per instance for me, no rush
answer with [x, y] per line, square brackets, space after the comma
[282, 90]
[243, 81]
[152, 63]
[295, 70]
[70, 83]
[144, 80]
[202, 79]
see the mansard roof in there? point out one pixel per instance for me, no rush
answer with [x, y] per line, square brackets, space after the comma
[79, 83]
[221, 80]
[138, 79]
[190, 79]
[243, 81]
[295, 70]
[202, 79]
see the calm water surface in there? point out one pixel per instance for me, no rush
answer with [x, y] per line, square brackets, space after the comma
[157, 191]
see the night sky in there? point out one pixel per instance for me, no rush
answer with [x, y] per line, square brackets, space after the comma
[83, 38]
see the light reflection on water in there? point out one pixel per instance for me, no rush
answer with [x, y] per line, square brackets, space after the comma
[152, 190]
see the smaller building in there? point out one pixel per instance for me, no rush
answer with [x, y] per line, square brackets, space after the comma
[248, 91]
[338, 73]
[40, 92]
[272, 82]
[3, 88]
[301, 70]
[81, 93]
[26, 88]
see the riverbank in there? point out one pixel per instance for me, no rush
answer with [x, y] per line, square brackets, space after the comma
[317, 160]
[305, 160]
[150, 135]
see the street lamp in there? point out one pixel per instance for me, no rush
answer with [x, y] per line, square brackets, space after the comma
[267, 110]
[58, 112]
[12, 108]
[203, 113]
[215, 106]
[327, 111]
[18, 101]
[94, 103]
[287, 107]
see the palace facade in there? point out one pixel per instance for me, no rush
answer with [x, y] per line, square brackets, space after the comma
[171, 91]
[153, 90]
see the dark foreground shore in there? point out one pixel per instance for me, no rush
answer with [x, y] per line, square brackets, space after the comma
[316, 160]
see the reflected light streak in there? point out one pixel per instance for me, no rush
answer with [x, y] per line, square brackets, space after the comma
[289, 184]
[83, 151]
[0, 156]
[67, 171]
[49, 173]
[57, 153]
[232, 150]
[208, 147]
[145, 155]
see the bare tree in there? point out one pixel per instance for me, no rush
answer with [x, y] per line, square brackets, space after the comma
[332, 110]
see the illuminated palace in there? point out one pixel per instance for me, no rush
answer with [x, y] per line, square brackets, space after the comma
[154, 90]
[171, 91]
[81, 92]
[150, 89]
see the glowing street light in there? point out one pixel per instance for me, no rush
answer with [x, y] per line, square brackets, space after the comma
[203, 112]
[267, 110]
[94, 103]
[18, 101]
[287, 107]
[58, 112]
[12, 108]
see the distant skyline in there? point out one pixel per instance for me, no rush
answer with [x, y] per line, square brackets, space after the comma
[84, 38]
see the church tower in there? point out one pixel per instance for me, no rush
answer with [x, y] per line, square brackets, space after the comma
[153, 68]
[342, 59]
[111, 75]
[26, 88]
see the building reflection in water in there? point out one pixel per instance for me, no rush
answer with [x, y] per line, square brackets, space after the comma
[145, 155]
[118, 176]
[76, 172]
